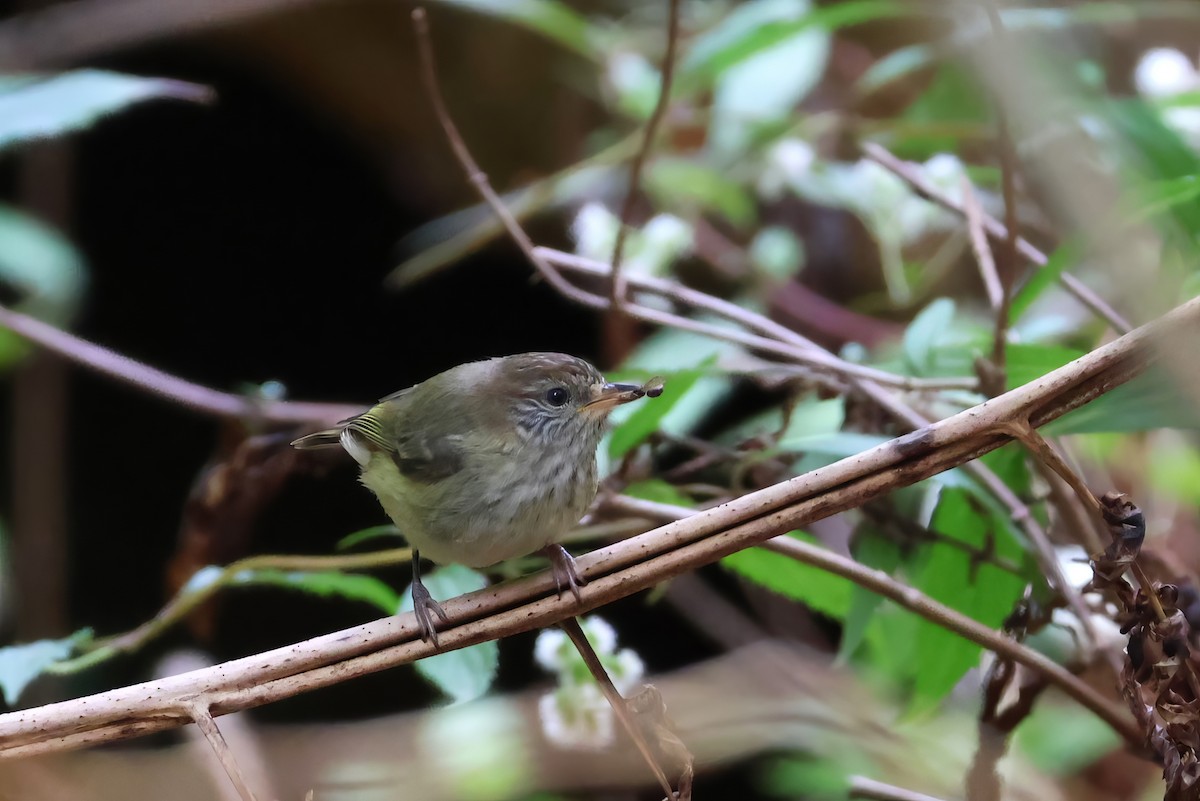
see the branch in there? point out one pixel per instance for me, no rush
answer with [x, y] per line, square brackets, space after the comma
[617, 284]
[616, 701]
[627, 567]
[913, 177]
[862, 787]
[198, 711]
[479, 179]
[149, 379]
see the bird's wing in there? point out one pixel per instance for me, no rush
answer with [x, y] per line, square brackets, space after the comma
[424, 451]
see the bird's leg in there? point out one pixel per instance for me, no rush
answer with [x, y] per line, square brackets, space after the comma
[565, 573]
[423, 604]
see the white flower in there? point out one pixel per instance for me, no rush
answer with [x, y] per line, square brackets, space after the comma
[595, 232]
[549, 649]
[578, 718]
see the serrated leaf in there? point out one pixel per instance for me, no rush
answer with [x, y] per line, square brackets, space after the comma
[983, 592]
[326, 583]
[924, 333]
[815, 588]
[21, 664]
[37, 107]
[365, 535]
[466, 673]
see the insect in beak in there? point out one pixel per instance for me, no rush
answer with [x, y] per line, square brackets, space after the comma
[606, 397]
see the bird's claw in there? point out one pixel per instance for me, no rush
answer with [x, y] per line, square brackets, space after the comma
[425, 607]
[565, 572]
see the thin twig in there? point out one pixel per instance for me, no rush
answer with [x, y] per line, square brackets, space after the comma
[615, 700]
[199, 713]
[667, 72]
[862, 787]
[478, 178]
[638, 563]
[980, 246]
[771, 337]
[913, 176]
[1008, 174]
[187, 394]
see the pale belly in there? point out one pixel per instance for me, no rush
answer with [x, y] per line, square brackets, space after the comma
[490, 519]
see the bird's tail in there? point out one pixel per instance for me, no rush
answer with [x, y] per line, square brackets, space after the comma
[329, 438]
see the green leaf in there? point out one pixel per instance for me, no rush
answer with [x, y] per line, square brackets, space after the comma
[1063, 739]
[21, 664]
[673, 182]
[983, 592]
[1149, 402]
[1027, 363]
[819, 590]
[879, 553]
[37, 107]
[1043, 278]
[325, 583]
[374, 532]
[659, 491]
[765, 88]
[46, 271]
[466, 673]
[645, 421]
[556, 21]
[754, 27]
[925, 332]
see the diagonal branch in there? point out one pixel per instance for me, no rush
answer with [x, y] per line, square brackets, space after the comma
[996, 230]
[635, 564]
[169, 387]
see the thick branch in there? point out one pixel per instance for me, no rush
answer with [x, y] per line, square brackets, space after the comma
[623, 568]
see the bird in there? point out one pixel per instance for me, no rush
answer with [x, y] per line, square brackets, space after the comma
[485, 462]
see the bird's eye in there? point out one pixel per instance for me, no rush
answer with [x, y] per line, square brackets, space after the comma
[557, 396]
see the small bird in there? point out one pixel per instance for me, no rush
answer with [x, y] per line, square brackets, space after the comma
[487, 461]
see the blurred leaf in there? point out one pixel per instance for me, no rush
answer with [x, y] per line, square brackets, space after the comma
[21, 664]
[467, 673]
[1063, 739]
[983, 592]
[776, 252]
[655, 489]
[554, 20]
[879, 553]
[645, 421]
[952, 104]
[374, 532]
[325, 583]
[46, 271]
[1027, 363]
[1148, 402]
[754, 27]
[37, 107]
[815, 588]
[925, 331]
[894, 66]
[675, 182]
[766, 87]
[1041, 279]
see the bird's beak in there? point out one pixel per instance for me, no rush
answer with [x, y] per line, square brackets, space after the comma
[606, 397]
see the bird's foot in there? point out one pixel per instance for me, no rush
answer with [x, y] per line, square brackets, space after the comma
[565, 573]
[425, 607]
